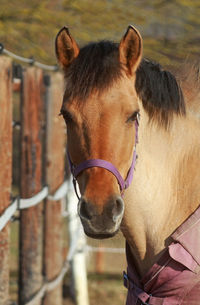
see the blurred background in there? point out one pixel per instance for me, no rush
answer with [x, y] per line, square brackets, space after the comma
[170, 28]
[171, 34]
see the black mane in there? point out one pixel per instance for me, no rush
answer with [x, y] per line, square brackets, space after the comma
[159, 91]
[97, 67]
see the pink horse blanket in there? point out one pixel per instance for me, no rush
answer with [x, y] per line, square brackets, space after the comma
[175, 278]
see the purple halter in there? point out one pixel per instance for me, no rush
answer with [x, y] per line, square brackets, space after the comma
[123, 184]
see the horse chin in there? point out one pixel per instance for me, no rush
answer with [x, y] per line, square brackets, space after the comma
[101, 235]
[101, 225]
[98, 230]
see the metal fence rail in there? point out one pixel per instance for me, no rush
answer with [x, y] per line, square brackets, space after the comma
[105, 249]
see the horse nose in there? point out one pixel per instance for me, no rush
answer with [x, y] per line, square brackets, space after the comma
[112, 210]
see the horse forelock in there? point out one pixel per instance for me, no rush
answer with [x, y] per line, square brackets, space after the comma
[96, 68]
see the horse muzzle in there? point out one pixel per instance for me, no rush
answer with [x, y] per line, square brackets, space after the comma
[101, 222]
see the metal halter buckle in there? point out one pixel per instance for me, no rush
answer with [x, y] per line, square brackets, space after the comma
[145, 303]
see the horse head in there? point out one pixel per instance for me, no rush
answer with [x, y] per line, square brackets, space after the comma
[107, 85]
[100, 106]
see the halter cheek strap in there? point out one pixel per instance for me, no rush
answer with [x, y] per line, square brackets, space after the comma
[123, 184]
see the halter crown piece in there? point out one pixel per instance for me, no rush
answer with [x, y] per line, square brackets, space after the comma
[123, 184]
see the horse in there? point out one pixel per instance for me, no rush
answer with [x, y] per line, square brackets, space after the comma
[128, 116]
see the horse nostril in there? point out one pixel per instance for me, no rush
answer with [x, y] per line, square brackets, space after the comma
[118, 209]
[84, 209]
[119, 205]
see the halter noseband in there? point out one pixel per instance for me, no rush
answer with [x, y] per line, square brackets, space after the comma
[123, 184]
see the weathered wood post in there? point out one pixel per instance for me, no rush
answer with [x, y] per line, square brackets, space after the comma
[99, 261]
[55, 168]
[31, 219]
[5, 169]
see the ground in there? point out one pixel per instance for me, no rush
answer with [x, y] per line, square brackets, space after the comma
[106, 289]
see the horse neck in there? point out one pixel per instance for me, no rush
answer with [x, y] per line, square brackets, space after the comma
[165, 189]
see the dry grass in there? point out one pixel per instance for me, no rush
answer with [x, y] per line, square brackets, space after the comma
[106, 289]
[102, 288]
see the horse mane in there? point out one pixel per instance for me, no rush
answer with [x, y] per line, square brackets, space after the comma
[97, 67]
[189, 77]
[159, 91]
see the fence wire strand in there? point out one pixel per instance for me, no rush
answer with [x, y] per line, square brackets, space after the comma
[29, 61]
[21, 203]
[105, 249]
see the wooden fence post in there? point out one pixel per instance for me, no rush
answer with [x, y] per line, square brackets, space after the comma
[56, 141]
[5, 170]
[31, 220]
[99, 261]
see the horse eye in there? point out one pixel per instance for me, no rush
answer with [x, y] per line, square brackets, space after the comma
[133, 117]
[66, 115]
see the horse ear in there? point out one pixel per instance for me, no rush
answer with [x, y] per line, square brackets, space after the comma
[130, 49]
[66, 47]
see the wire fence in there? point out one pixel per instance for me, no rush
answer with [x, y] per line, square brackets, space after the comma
[30, 61]
[51, 285]
[41, 175]
[18, 204]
